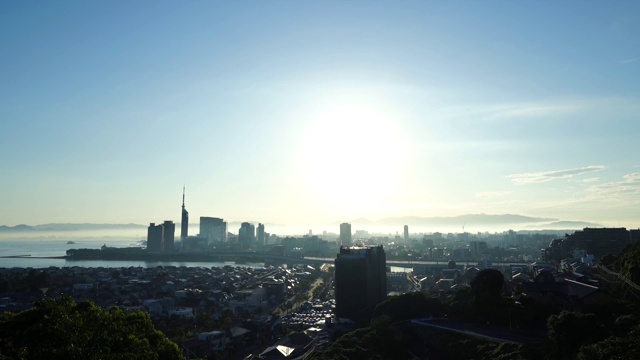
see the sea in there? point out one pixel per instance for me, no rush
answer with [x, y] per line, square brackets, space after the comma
[39, 252]
[44, 252]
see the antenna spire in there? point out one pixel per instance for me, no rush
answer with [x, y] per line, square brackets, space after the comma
[183, 196]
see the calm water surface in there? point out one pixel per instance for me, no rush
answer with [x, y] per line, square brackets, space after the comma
[37, 248]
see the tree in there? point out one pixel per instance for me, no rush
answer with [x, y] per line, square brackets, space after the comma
[567, 332]
[451, 264]
[64, 329]
[486, 287]
[628, 264]
[408, 306]
[626, 347]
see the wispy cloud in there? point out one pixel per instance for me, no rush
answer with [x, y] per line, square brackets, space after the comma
[491, 194]
[628, 61]
[590, 180]
[630, 185]
[544, 176]
[534, 110]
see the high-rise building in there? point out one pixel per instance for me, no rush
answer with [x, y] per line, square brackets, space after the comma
[596, 241]
[184, 223]
[477, 249]
[154, 237]
[260, 235]
[361, 281]
[213, 229]
[168, 235]
[406, 234]
[345, 234]
[161, 237]
[246, 236]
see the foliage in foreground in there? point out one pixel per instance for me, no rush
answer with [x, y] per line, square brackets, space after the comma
[376, 342]
[64, 329]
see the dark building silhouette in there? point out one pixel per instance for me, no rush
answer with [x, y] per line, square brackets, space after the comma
[478, 249]
[361, 282]
[406, 234]
[345, 234]
[161, 237]
[260, 235]
[213, 229]
[154, 237]
[596, 241]
[168, 234]
[246, 235]
[184, 223]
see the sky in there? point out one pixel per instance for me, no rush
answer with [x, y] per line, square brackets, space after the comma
[316, 112]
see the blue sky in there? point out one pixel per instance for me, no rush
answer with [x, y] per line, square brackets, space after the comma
[315, 112]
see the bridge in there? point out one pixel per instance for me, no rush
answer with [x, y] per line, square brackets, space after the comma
[274, 259]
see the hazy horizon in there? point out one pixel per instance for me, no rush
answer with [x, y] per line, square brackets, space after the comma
[472, 224]
[301, 113]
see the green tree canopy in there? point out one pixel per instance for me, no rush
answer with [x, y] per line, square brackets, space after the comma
[64, 329]
[628, 263]
[409, 306]
[568, 331]
[486, 287]
[624, 347]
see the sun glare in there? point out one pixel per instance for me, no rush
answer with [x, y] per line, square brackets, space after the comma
[353, 158]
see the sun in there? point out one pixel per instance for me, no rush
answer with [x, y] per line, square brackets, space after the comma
[352, 157]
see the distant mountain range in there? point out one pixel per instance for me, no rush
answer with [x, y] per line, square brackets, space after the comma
[458, 221]
[475, 221]
[68, 227]
[471, 222]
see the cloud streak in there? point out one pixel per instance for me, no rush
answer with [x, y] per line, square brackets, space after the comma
[491, 194]
[628, 188]
[544, 176]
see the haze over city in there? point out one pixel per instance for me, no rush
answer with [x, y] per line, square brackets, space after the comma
[305, 113]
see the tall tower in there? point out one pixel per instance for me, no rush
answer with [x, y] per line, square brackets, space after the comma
[345, 234]
[154, 238]
[260, 235]
[406, 234]
[246, 236]
[168, 234]
[361, 281]
[184, 223]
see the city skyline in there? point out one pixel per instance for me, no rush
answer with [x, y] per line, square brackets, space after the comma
[315, 113]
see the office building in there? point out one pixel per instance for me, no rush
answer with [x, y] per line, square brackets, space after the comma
[154, 237]
[478, 249]
[406, 234]
[246, 236]
[361, 282]
[184, 222]
[345, 234]
[260, 235]
[596, 241]
[168, 234]
[213, 229]
[160, 238]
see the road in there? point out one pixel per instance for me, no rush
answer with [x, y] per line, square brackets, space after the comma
[495, 333]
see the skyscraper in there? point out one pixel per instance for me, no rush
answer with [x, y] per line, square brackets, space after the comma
[361, 281]
[161, 237]
[213, 229]
[168, 235]
[345, 234]
[184, 223]
[154, 237]
[406, 234]
[260, 235]
[246, 235]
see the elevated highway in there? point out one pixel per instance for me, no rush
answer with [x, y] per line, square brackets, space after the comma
[274, 259]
